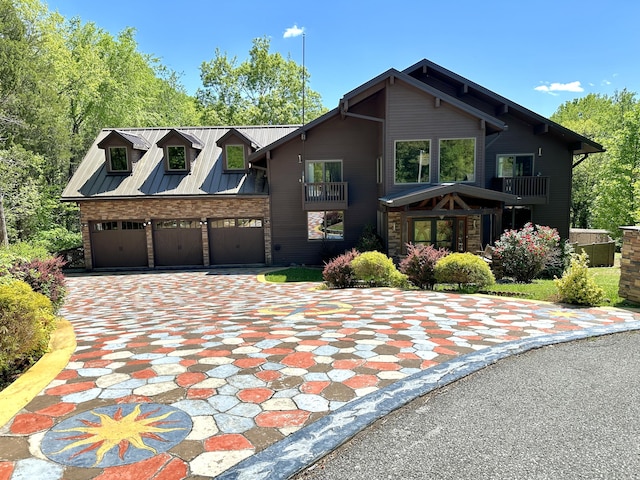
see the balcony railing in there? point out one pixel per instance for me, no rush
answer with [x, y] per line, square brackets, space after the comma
[532, 189]
[326, 195]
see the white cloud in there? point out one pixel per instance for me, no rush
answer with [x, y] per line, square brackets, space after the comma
[551, 88]
[294, 31]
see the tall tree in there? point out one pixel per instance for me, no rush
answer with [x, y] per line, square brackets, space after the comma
[265, 89]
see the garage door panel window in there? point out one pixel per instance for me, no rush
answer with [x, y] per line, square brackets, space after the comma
[249, 222]
[103, 226]
[133, 225]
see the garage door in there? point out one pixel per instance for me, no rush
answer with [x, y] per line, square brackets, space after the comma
[177, 242]
[234, 241]
[121, 243]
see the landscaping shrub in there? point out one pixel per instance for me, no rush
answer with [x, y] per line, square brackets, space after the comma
[44, 276]
[576, 286]
[377, 270]
[523, 254]
[20, 252]
[419, 264]
[558, 260]
[369, 241]
[338, 272]
[26, 322]
[58, 239]
[468, 271]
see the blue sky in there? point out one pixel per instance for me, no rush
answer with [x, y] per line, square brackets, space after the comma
[537, 54]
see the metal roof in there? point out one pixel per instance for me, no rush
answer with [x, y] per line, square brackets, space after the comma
[149, 178]
[424, 193]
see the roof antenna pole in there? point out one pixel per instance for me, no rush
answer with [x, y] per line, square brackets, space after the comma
[303, 76]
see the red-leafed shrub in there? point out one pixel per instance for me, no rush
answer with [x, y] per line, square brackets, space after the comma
[44, 276]
[338, 273]
[419, 264]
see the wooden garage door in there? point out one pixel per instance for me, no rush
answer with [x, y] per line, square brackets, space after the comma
[177, 242]
[234, 241]
[121, 243]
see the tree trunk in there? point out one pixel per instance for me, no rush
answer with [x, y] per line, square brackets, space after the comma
[3, 224]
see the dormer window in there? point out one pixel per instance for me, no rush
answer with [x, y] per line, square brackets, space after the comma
[122, 149]
[180, 150]
[118, 159]
[235, 157]
[176, 157]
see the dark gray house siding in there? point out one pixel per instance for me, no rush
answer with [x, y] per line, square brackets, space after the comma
[355, 142]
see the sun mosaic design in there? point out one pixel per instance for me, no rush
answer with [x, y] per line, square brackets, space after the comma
[116, 435]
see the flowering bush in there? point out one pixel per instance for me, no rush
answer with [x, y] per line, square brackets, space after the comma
[524, 253]
[43, 276]
[338, 273]
[419, 263]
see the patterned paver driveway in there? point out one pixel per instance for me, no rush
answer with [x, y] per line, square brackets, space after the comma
[212, 373]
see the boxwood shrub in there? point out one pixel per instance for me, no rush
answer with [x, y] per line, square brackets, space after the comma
[468, 271]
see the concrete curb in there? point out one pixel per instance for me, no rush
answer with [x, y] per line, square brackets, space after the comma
[17, 395]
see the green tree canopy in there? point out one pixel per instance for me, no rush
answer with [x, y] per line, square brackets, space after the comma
[265, 89]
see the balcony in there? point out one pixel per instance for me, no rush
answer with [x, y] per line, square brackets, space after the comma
[532, 190]
[324, 196]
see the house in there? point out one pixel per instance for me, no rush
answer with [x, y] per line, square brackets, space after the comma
[422, 155]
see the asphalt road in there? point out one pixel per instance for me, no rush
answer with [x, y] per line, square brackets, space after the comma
[569, 411]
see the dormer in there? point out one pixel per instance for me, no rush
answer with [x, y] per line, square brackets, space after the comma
[122, 150]
[180, 150]
[236, 148]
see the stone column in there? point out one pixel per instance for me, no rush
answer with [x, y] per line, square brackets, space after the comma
[630, 264]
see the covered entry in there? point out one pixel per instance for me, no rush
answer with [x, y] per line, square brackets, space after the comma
[119, 243]
[177, 242]
[236, 241]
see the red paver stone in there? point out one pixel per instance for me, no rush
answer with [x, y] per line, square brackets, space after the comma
[317, 343]
[427, 364]
[268, 375]
[249, 362]
[28, 423]
[255, 395]
[214, 353]
[6, 469]
[90, 354]
[97, 363]
[164, 350]
[190, 378]
[445, 351]
[187, 362]
[443, 342]
[361, 381]
[193, 341]
[282, 419]
[68, 388]
[58, 410]
[347, 364]
[145, 470]
[227, 442]
[299, 359]
[146, 373]
[67, 375]
[408, 356]
[277, 351]
[176, 469]
[386, 366]
[314, 387]
[138, 344]
[200, 393]
[400, 343]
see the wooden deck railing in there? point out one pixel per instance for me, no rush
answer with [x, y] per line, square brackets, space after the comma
[525, 186]
[329, 195]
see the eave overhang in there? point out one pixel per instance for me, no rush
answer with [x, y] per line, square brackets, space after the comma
[426, 193]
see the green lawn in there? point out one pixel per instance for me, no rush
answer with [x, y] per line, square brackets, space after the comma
[605, 277]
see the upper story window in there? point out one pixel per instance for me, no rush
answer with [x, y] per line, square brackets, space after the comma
[323, 171]
[235, 157]
[515, 165]
[457, 160]
[413, 161]
[118, 159]
[176, 157]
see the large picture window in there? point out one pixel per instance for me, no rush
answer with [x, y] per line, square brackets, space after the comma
[457, 160]
[235, 157]
[324, 171]
[118, 159]
[327, 225]
[515, 165]
[177, 157]
[413, 161]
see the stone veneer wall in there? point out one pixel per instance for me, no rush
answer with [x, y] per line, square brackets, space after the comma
[630, 264]
[396, 228]
[148, 209]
